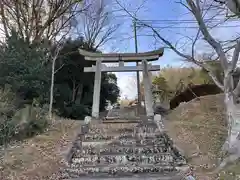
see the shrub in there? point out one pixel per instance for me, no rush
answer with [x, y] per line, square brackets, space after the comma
[30, 121]
[76, 111]
[19, 124]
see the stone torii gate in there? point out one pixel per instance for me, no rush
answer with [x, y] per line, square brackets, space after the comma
[121, 58]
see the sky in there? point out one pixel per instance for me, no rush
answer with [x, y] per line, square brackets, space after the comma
[155, 10]
[152, 10]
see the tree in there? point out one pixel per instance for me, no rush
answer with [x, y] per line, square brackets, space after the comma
[73, 87]
[39, 20]
[73, 65]
[198, 10]
[232, 5]
[35, 20]
[54, 56]
[216, 68]
[160, 85]
[22, 66]
[109, 90]
[97, 23]
[73, 90]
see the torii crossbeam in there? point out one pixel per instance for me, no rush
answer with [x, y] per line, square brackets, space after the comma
[121, 58]
[127, 57]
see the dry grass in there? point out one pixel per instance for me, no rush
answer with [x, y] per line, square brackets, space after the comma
[41, 156]
[199, 129]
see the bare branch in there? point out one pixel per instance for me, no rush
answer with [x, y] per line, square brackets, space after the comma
[4, 20]
[38, 19]
[59, 68]
[186, 57]
[194, 42]
[216, 45]
[235, 60]
[235, 55]
[97, 24]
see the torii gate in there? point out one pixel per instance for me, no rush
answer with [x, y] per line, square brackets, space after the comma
[121, 58]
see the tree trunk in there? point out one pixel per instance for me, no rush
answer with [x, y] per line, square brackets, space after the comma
[232, 144]
[51, 90]
[234, 6]
[80, 92]
[73, 91]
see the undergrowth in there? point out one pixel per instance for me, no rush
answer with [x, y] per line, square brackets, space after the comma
[18, 124]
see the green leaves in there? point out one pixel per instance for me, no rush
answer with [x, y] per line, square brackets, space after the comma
[22, 65]
[74, 88]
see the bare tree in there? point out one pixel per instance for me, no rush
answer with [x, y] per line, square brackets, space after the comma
[232, 5]
[97, 23]
[232, 93]
[53, 56]
[38, 19]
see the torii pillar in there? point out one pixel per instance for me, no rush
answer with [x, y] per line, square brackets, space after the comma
[148, 96]
[97, 89]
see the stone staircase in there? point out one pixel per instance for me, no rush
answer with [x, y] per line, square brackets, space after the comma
[124, 151]
[128, 113]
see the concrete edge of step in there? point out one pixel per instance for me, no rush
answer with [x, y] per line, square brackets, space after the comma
[182, 175]
[84, 128]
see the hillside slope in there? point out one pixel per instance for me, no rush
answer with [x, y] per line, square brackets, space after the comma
[199, 129]
[39, 157]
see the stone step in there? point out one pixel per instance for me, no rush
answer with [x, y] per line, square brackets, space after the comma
[122, 170]
[163, 159]
[97, 143]
[149, 136]
[178, 174]
[102, 130]
[109, 136]
[123, 142]
[77, 165]
[114, 120]
[143, 176]
[146, 123]
[147, 130]
[89, 137]
[140, 149]
[133, 142]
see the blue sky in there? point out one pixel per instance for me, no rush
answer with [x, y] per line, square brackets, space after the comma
[153, 10]
[163, 9]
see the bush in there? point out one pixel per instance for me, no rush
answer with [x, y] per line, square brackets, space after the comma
[32, 121]
[7, 130]
[25, 123]
[76, 111]
[19, 124]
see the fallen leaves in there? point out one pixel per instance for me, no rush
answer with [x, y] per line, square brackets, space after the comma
[40, 156]
[199, 127]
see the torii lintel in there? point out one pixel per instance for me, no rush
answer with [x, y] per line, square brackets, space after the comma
[127, 57]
